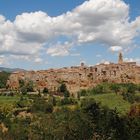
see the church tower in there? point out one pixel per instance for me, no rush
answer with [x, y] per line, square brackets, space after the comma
[120, 60]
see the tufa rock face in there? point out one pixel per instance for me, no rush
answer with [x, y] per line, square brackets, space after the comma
[77, 78]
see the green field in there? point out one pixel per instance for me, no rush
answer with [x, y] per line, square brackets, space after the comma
[8, 100]
[110, 100]
[113, 101]
[137, 94]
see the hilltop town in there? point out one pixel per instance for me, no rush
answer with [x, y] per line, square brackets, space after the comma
[79, 77]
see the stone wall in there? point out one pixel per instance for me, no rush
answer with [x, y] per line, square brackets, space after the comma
[80, 77]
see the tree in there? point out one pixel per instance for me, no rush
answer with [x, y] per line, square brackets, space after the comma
[64, 90]
[3, 79]
[115, 88]
[41, 105]
[24, 102]
[83, 92]
[21, 83]
[131, 88]
[100, 89]
[30, 86]
[130, 97]
[66, 94]
[45, 90]
[23, 90]
[26, 87]
[52, 100]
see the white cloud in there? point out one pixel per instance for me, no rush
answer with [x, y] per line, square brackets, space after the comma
[59, 49]
[38, 60]
[75, 54]
[3, 60]
[115, 48]
[137, 60]
[104, 61]
[102, 21]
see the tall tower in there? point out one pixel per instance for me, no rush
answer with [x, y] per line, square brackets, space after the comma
[120, 60]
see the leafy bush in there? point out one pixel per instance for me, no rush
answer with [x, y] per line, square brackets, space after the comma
[138, 87]
[83, 92]
[26, 87]
[23, 90]
[135, 110]
[52, 100]
[130, 97]
[41, 105]
[45, 90]
[68, 101]
[24, 102]
[3, 79]
[115, 88]
[30, 86]
[100, 89]
[63, 89]
[137, 98]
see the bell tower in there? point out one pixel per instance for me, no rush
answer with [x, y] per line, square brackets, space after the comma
[120, 60]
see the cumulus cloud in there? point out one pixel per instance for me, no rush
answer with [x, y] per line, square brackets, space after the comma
[115, 48]
[3, 60]
[59, 49]
[38, 60]
[14, 46]
[101, 21]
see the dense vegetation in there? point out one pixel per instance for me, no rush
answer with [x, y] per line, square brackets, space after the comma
[106, 112]
[3, 79]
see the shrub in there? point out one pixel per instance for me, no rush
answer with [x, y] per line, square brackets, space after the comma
[130, 97]
[137, 98]
[63, 89]
[25, 87]
[49, 107]
[101, 89]
[138, 87]
[52, 100]
[23, 90]
[24, 102]
[134, 110]
[41, 105]
[3, 79]
[68, 101]
[30, 86]
[66, 94]
[115, 88]
[45, 90]
[83, 92]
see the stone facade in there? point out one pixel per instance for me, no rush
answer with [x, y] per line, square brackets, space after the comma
[78, 77]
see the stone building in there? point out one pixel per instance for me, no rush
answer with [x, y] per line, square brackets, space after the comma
[120, 60]
[79, 77]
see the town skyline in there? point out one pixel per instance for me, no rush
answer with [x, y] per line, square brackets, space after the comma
[42, 35]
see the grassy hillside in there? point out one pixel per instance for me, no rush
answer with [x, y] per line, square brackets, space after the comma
[50, 117]
[113, 101]
[110, 100]
[8, 100]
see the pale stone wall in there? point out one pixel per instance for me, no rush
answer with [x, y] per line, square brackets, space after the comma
[81, 77]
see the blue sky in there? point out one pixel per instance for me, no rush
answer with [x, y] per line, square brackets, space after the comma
[15, 7]
[41, 34]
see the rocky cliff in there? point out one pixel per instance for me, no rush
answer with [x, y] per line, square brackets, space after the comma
[78, 77]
